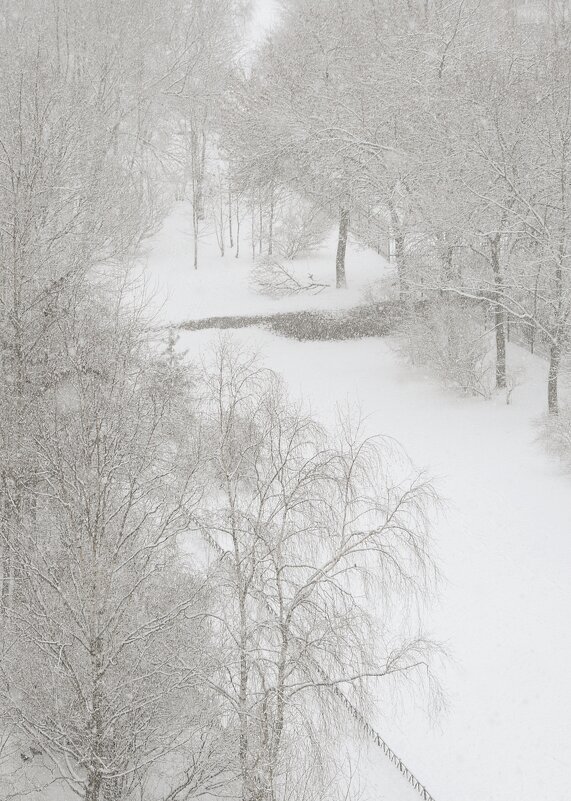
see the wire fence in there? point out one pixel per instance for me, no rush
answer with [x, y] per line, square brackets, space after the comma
[381, 743]
[348, 704]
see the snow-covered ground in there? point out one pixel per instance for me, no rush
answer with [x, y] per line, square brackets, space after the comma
[503, 544]
[220, 287]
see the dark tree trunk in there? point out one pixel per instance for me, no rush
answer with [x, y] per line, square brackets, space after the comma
[400, 256]
[221, 224]
[261, 224]
[552, 379]
[200, 194]
[341, 279]
[195, 235]
[499, 324]
[271, 223]
[556, 344]
[253, 231]
[230, 234]
[198, 158]
[532, 334]
[93, 789]
[237, 228]
[499, 313]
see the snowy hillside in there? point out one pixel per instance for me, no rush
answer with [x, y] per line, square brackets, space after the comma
[503, 543]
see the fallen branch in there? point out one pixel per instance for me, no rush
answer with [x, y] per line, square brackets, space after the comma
[270, 277]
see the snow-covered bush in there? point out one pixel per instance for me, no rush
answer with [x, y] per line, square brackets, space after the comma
[555, 432]
[382, 290]
[445, 337]
[300, 229]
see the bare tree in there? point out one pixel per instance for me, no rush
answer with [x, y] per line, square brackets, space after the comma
[302, 527]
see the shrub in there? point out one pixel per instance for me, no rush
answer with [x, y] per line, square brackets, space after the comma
[445, 337]
[383, 290]
[555, 432]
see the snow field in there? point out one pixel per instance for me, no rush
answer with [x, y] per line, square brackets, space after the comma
[503, 544]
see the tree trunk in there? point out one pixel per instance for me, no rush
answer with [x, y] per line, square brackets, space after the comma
[202, 163]
[532, 334]
[6, 572]
[404, 289]
[341, 279]
[230, 234]
[447, 260]
[12, 512]
[93, 789]
[195, 234]
[271, 223]
[253, 232]
[237, 229]
[499, 313]
[499, 325]
[221, 223]
[197, 158]
[552, 379]
[555, 349]
[400, 256]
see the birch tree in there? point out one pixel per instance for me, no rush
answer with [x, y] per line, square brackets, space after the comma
[302, 527]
